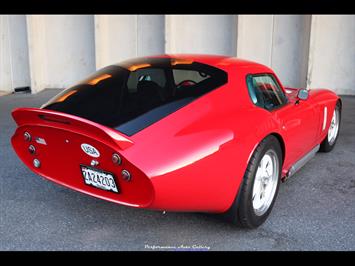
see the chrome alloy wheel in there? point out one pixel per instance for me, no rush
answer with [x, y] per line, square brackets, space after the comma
[334, 127]
[265, 182]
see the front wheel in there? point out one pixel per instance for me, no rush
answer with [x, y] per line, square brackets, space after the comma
[329, 141]
[260, 185]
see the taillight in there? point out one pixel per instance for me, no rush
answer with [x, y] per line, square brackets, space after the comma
[126, 175]
[36, 163]
[27, 136]
[116, 159]
[32, 149]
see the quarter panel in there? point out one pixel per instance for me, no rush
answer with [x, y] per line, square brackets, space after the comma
[196, 157]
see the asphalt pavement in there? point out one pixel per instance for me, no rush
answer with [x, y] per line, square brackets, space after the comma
[315, 209]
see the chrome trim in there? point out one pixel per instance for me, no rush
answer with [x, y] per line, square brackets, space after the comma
[94, 163]
[301, 162]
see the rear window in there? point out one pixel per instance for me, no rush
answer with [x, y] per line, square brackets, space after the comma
[136, 93]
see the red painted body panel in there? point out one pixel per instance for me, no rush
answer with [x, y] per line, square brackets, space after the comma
[192, 160]
[62, 155]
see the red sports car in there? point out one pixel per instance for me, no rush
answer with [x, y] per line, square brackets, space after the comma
[197, 133]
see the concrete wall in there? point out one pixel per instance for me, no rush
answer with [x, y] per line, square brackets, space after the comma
[61, 49]
[119, 37]
[278, 41]
[332, 53]
[14, 65]
[255, 38]
[201, 34]
[55, 51]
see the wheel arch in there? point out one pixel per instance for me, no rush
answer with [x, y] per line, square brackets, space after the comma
[280, 140]
[282, 144]
[340, 101]
[235, 205]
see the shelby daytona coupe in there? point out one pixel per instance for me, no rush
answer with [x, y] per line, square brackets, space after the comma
[197, 133]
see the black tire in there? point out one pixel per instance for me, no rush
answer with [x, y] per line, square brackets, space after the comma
[325, 146]
[242, 212]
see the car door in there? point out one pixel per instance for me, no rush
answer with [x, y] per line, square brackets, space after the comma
[297, 119]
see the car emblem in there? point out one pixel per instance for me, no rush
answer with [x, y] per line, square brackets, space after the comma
[90, 150]
[41, 141]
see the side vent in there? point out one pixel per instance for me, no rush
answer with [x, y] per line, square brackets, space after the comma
[325, 117]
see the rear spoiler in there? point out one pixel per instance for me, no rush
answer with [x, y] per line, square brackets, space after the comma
[42, 117]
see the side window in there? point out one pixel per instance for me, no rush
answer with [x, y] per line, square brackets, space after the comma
[189, 83]
[185, 77]
[155, 75]
[265, 92]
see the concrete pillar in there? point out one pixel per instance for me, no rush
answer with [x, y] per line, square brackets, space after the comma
[119, 37]
[150, 34]
[332, 53]
[290, 49]
[254, 41]
[202, 34]
[14, 65]
[278, 41]
[61, 49]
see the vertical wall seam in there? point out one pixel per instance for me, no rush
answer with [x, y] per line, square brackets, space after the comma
[28, 78]
[45, 63]
[272, 39]
[29, 47]
[93, 25]
[167, 34]
[235, 42]
[137, 35]
[164, 34]
[10, 54]
[307, 23]
[240, 34]
[95, 40]
[311, 44]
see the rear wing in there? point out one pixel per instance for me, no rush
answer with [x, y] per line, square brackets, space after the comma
[42, 117]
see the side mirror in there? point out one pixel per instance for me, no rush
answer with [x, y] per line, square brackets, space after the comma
[303, 94]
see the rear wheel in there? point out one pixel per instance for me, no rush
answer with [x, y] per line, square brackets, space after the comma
[260, 185]
[329, 141]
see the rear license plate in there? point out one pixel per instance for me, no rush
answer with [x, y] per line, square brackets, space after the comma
[99, 179]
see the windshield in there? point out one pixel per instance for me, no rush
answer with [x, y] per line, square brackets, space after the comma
[134, 94]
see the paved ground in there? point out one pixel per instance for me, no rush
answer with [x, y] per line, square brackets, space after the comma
[315, 209]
